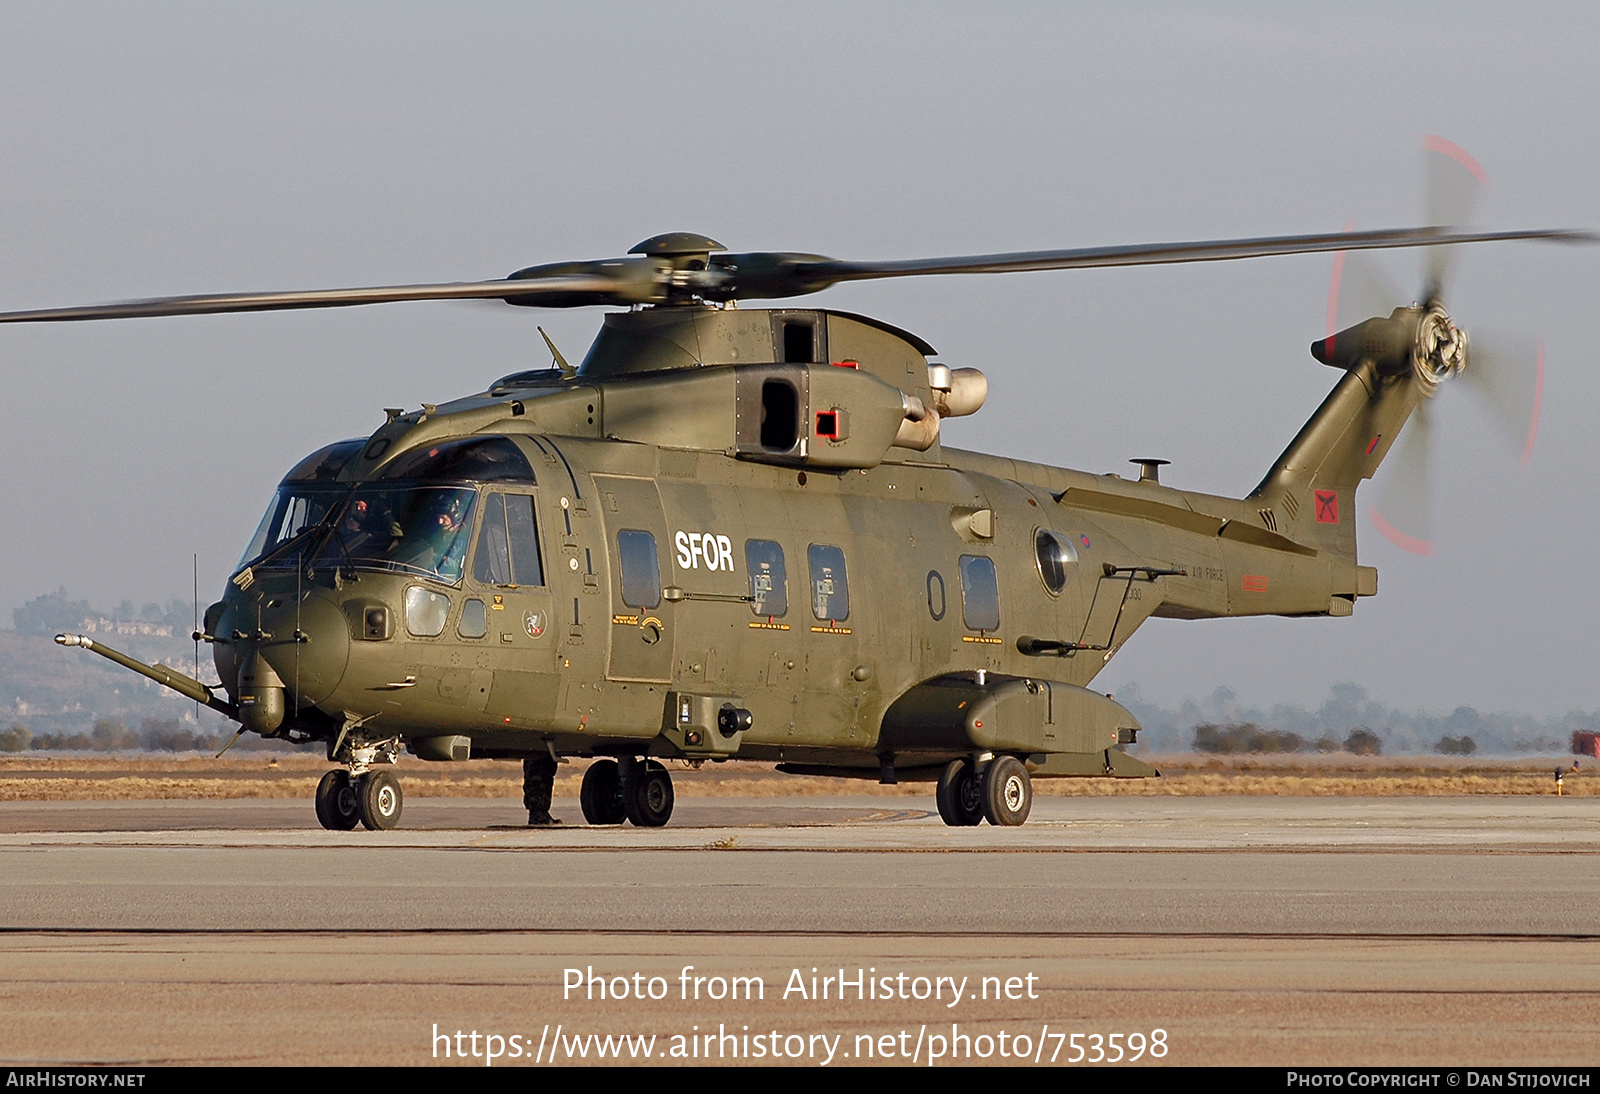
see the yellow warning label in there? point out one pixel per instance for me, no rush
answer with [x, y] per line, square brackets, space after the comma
[769, 626]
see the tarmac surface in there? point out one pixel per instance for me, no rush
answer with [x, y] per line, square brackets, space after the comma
[1289, 931]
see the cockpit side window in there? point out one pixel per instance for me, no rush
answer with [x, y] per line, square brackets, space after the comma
[523, 532]
[508, 542]
[491, 565]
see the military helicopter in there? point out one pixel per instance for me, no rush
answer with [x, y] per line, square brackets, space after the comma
[734, 533]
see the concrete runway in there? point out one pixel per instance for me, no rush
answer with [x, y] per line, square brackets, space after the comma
[1335, 931]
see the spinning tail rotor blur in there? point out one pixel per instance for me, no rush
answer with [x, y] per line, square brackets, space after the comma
[1505, 372]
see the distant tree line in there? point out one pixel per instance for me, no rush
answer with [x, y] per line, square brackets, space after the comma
[1346, 710]
[1249, 737]
[111, 735]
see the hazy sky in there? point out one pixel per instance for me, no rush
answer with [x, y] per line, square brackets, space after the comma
[168, 148]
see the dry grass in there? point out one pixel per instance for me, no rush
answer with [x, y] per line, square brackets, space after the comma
[32, 777]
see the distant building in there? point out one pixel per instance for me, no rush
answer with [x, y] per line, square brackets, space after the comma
[103, 625]
[1586, 743]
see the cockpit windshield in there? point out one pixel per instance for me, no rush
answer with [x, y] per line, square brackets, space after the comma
[297, 507]
[412, 529]
[415, 518]
[308, 492]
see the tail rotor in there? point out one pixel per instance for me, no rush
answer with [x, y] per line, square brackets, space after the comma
[1504, 371]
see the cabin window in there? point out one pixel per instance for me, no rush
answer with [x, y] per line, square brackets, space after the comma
[508, 543]
[936, 600]
[769, 584]
[830, 588]
[1056, 556]
[641, 569]
[980, 593]
[780, 416]
[474, 622]
[426, 612]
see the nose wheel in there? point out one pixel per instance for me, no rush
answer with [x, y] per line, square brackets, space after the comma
[337, 807]
[373, 800]
[380, 799]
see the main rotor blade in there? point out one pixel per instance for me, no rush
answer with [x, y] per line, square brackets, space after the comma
[566, 290]
[1149, 254]
[1403, 510]
[1455, 184]
[1507, 371]
[762, 275]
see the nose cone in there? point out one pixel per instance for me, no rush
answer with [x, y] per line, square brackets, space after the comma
[313, 666]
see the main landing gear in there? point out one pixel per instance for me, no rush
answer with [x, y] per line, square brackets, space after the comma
[629, 789]
[999, 791]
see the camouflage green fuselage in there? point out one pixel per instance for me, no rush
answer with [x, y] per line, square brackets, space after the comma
[865, 601]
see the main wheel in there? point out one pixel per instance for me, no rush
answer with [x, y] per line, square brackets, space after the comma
[647, 796]
[1007, 792]
[379, 795]
[601, 795]
[337, 808]
[960, 794]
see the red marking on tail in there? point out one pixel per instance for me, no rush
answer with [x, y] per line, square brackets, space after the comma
[1327, 506]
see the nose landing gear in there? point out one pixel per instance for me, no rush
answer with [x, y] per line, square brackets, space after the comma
[359, 794]
[373, 800]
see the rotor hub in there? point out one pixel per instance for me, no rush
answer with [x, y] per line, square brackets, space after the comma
[1440, 351]
[681, 250]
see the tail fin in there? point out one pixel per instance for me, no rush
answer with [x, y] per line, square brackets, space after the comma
[1310, 493]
